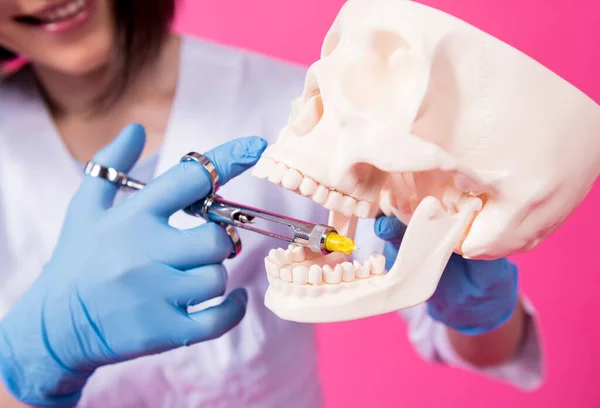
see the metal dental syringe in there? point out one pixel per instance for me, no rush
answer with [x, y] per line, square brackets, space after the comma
[318, 238]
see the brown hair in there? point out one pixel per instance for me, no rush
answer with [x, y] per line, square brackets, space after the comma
[141, 29]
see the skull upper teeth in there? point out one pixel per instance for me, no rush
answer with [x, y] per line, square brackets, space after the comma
[294, 180]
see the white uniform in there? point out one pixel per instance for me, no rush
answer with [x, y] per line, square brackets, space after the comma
[222, 94]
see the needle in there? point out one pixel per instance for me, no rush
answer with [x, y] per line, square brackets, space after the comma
[377, 252]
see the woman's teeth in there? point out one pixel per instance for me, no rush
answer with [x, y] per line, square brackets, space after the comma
[64, 12]
[67, 11]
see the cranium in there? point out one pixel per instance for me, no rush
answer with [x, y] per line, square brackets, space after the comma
[477, 147]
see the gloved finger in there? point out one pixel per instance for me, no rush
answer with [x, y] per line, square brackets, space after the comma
[194, 286]
[121, 154]
[484, 273]
[390, 229]
[391, 253]
[203, 245]
[453, 279]
[213, 322]
[189, 182]
[467, 275]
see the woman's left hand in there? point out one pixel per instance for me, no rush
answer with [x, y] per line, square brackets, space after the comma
[473, 297]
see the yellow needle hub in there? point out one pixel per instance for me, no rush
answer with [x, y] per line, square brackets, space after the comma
[338, 243]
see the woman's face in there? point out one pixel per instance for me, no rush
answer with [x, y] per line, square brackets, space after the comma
[73, 37]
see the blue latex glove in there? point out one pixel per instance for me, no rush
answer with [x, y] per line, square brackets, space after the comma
[119, 282]
[472, 297]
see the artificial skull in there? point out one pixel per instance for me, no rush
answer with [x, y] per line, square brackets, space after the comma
[477, 147]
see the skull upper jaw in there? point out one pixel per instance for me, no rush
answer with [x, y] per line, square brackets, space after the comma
[324, 170]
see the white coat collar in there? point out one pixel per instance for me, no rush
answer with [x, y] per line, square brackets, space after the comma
[30, 142]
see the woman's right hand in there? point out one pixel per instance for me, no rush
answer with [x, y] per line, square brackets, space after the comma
[120, 280]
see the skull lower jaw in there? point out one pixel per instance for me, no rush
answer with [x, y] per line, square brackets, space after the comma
[295, 294]
[328, 302]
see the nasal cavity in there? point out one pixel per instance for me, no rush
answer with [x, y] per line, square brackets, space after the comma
[310, 112]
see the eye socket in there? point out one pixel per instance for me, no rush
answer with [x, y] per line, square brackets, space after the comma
[386, 44]
[377, 79]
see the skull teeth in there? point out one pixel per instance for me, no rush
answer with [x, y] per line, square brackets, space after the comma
[293, 180]
[291, 267]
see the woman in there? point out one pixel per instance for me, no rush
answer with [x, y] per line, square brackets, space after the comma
[94, 295]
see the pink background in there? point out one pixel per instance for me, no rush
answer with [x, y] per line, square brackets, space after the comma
[370, 362]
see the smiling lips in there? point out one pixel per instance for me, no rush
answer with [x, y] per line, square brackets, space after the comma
[59, 19]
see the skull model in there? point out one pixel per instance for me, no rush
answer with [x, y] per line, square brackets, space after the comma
[475, 146]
